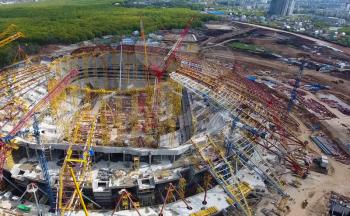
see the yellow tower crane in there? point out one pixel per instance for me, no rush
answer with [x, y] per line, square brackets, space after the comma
[5, 39]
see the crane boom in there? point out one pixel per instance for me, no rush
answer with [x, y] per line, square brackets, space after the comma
[159, 70]
[53, 93]
[11, 38]
[170, 56]
[8, 30]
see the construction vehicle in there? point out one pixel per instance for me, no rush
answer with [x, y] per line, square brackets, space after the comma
[322, 164]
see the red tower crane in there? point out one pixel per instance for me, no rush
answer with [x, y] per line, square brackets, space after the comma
[40, 105]
[159, 70]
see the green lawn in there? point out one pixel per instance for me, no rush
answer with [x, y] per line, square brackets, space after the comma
[243, 46]
[70, 21]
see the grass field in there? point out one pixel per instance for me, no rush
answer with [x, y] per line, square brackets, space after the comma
[70, 21]
[243, 46]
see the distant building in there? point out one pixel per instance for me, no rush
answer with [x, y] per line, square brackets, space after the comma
[282, 7]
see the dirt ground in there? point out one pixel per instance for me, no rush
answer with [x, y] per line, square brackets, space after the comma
[281, 68]
[316, 189]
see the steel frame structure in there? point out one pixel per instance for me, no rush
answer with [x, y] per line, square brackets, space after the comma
[250, 113]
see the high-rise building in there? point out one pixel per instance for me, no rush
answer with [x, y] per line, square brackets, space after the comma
[282, 7]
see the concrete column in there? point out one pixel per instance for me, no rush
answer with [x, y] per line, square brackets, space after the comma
[150, 158]
[50, 153]
[27, 151]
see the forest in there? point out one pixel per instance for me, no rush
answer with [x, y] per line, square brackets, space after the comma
[71, 21]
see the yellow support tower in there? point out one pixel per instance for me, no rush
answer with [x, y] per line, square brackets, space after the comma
[74, 172]
[176, 97]
[136, 163]
[9, 160]
[105, 133]
[182, 188]
[56, 101]
[58, 68]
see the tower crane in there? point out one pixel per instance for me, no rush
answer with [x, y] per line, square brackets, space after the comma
[159, 70]
[4, 141]
[8, 30]
[293, 94]
[43, 164]
[5, 39]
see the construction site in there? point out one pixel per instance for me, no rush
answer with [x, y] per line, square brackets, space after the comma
[190, 125]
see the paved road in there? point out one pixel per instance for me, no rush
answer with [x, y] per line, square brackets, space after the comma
[318, 41]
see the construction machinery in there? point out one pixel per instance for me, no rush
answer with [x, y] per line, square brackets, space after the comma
[159, 70]
[5, 39]
[32, 189]
[76, 166]
[294, 92]
[4, 141]
[44, 166]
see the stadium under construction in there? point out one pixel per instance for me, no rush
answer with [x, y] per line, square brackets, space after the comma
[133, 129]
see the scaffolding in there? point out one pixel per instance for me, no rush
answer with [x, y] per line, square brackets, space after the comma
[104, 129]
[250, 113]
[224, 173]
[76, 166]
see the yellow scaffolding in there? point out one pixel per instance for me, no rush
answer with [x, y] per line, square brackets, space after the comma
[105, 133]
[221, 169]
[182, 188]
[75, 167]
